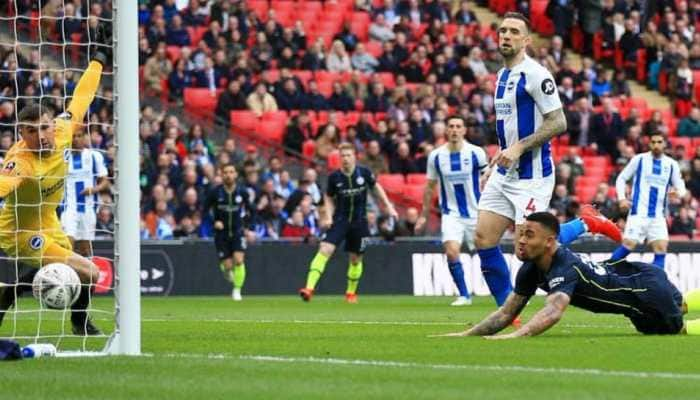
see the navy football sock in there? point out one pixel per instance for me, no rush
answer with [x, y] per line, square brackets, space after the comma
[496, 274]
[457, 273]
[660, 260]
[620, 253]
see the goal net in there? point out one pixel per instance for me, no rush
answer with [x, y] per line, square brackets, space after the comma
[45, 48]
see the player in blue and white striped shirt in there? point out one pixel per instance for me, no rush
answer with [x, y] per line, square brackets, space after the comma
[652, 173]
[457, 166]
[528, 114]
[87, 176]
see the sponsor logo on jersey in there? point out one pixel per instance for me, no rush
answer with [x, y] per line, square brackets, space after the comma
[511, 85]
[503, 109]
[36, 242]
[555, 281]
[548, 86]
[360, 180]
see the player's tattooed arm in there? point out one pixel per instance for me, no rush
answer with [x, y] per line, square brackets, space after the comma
[553, 123]
[544, 319]
[501, 318]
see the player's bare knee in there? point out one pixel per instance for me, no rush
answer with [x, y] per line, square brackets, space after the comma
[355, 258]
[326, 249]
[484, 240]
[629, 244]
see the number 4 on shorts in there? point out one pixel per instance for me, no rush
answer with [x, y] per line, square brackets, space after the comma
[531, 205]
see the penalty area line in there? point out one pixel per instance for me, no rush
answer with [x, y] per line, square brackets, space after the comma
[593, 372]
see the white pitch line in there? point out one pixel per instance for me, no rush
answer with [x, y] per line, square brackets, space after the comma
[466, 367]
[352, 322]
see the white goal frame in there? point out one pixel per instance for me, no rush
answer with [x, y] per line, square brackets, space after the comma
[126, 339]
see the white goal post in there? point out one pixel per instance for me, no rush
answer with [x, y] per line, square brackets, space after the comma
[127, 255]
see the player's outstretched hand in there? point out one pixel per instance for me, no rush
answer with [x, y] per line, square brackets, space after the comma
[102, 43]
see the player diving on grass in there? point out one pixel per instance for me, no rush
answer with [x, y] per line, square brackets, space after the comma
[230, 207]
[528, 114]
[346, 200]
[639, 291]
[457, 166]
[32, 183]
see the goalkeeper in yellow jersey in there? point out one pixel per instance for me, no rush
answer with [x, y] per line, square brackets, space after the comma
[31, 183]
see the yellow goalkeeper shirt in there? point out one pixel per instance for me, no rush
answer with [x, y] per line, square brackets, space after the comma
[32, 183]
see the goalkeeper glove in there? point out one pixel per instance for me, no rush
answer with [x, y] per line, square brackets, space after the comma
[102, 46]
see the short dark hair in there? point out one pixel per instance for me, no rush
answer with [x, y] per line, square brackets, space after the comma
[545, 219]
[455, 116]
[517, 15]
[224, 166]
[29, 113]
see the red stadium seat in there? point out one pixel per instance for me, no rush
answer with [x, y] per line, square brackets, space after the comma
[243, 122]
[271, 130]
[374, 48]
[259, 6]
[196, 33]
[308, 149]
[303, 75]
[173, 53]
[416, 179]
[333, 160]
[393, 183]
[387, 79]
[200, 101]
[413, 195]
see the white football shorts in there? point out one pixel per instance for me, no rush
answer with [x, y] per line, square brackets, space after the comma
[640, 228]
[516, 198]
[458, 229]
[79, 226]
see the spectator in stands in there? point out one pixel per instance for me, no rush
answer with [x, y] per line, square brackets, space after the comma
[314, 189]
[560, 199]
[601, 84]
[262, 52]
[231, 99]
[619, 85]
[406, 226]
[349, 39]
[380, 29]
[298, 131]
[315, 58]
[339, 99]
[260, 101]
[179, 79]
[294, 227]
[314, 99]
[476, 62]
[377, 100]
[401, 162]
[338, 59]
[104, 228]
[177, 34]
[682, 223]
[363, 61]
[374, 159]
[604, 203]
[690, 125]
[356, 87]
[630, 41]
[465, 16]
[189, 204]
[694, 181]
[295, 198]
[567, 91]
[290, 97]
[284, 187]
[388, 61]
[157, 69]
[606, 128]
[327, 142]
[655, 124]
[578, 123]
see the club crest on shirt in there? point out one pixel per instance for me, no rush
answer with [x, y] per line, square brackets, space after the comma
[511, 85]
[239, 199]
[36, 242]
[360, 180]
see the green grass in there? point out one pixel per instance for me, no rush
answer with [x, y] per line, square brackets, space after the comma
[210, 348]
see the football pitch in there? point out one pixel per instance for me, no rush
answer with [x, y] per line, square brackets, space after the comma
[277, 347]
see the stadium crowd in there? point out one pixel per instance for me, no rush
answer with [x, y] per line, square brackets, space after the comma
[441, 60]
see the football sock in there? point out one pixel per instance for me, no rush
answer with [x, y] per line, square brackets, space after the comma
[692, 327]
[354, 274]
[238, 275]
[571, 230]
[496, 274]
[457, 273]
[620, 253]
[318, 264]
[659, 260]
[79, 308]
[692, 300]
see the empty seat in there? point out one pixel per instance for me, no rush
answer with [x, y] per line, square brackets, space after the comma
[393, 183]
[416, 179]
[243, 122]
[200, 100]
